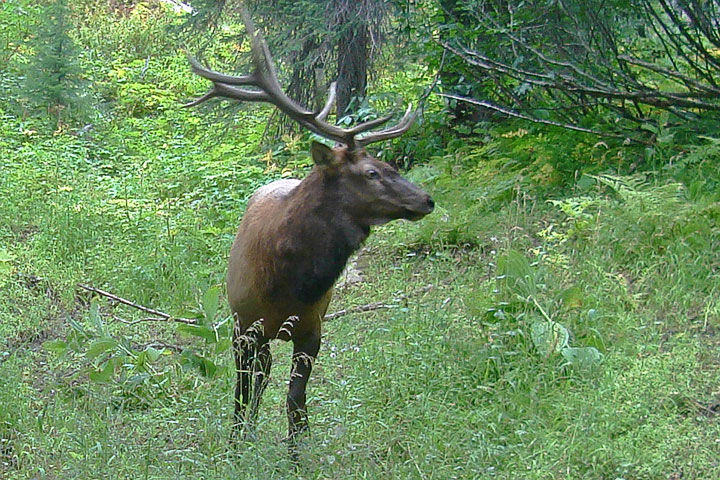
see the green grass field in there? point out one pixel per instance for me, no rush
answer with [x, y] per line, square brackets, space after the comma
[525, 339]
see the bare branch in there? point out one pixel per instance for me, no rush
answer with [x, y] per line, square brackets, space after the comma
[532, 119]
[711, 91]
[569, 60]
[436, 80]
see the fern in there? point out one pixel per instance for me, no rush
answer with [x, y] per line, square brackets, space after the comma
[701, 153]
[637, 193]
[639, 220]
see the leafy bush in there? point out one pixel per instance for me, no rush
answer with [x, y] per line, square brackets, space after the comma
[138, 371]
[523, 294]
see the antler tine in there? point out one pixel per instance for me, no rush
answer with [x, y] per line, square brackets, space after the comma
[369, 125]
[224, 89]
[212, 93]
[222, 86]
[393, 132]
[217, 77]
[322, 115]
[262, 60]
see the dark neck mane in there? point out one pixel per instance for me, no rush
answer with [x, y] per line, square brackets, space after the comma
[322, 238]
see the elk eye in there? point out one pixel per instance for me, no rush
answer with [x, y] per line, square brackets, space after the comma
[372, 174]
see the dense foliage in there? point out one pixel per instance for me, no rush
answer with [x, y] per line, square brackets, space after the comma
[621, 69]
[556, 316]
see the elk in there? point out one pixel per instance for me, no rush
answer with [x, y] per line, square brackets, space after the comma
[296, 236]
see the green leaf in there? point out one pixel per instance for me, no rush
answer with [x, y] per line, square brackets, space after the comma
[138, 378]
[78, 328]
[103, 375]
[153, 354]
[222, 345]
[572, 297]
[100, 346]
[211, 300]
[516, 276]
[585, 182]
[548, 336]
[96, 319]
[56, 346]
[594, 339]
[582, 357]
[206, 367]
[194, 314]
[198, 331]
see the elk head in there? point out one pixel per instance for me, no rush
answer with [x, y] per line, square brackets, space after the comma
[372, 191]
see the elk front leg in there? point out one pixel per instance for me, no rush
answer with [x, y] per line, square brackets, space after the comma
[305, 350]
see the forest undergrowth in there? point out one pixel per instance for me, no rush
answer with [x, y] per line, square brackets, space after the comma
[526, 334]
[556, 316]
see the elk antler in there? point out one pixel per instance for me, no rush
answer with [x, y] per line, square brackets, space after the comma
[267, 89]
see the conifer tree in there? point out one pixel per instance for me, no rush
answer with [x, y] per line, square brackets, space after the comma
[53, 75]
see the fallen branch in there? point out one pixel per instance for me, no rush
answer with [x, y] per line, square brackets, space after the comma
[165, 317]
[362, 308]
[142, 320]
[162, 315]
[377, 305]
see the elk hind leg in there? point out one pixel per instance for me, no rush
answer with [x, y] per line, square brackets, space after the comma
[261, 365]
[252, 355]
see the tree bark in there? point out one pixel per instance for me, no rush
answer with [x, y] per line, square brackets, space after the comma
[352, 47]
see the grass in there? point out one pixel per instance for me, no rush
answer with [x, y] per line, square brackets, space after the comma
[449, 383]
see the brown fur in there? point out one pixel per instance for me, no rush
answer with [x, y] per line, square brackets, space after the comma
[292, 244]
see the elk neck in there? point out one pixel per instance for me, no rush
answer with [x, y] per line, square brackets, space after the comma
[322, 235]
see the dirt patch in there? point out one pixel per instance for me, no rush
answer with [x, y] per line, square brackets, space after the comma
[24, 233]
[8, 458]
[28, 343]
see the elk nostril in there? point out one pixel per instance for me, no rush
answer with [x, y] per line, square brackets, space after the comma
[431, 203]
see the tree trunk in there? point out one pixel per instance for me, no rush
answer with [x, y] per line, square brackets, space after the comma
[352, 54]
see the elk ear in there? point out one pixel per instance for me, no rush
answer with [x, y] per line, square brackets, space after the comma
[322, 155]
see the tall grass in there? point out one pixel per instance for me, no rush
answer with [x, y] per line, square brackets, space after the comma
[454, 381]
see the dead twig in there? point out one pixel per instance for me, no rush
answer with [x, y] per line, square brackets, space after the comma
[135, 322]
[165, 317]
[379, 305]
